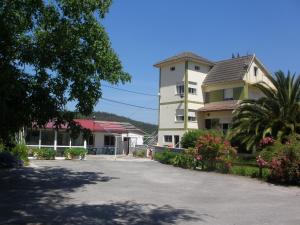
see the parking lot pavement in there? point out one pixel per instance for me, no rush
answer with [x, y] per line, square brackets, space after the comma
[137, 191]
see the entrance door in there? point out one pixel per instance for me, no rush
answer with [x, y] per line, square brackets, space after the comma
[126, 145]
[176, 141]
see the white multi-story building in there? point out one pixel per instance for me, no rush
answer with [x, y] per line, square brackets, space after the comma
[196, 93]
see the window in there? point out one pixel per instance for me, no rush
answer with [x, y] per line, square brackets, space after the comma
[192, 118]
[192, 91]
[179, 115]
[180, 89]
[212, 124]
[197, 68]
[192, 87]
[172, 68]
[228, 94]
[180, 118]
[109, 140]
[255, 70]
[168, 138]
[192, 115]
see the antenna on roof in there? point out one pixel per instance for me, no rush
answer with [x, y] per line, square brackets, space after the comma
[232, 56]
[238, 55]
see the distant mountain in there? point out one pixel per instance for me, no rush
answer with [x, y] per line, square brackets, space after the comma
[146, 127]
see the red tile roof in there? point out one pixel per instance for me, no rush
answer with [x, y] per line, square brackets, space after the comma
[219, 106]
[100, 126]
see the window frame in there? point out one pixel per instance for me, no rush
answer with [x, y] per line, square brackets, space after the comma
[112, 138]
[192, 92]
[192, 118]
[168, 141]
[214, 123]
[180, 89]
[179, 114]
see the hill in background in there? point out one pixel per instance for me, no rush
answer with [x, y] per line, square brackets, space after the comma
[146, 127]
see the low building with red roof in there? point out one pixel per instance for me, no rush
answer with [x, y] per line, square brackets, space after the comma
[106, 136]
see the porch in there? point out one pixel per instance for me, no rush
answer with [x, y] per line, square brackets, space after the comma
[59, 140]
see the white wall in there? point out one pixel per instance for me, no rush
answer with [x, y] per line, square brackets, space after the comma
[198, 77]
[170, 132]
[261, 74]
[135, 139]
[169, 80]
[168, 114]
[254, 93]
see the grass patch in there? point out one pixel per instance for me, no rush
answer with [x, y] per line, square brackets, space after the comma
[249, 171]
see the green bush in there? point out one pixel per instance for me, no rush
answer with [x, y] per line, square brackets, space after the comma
[21, 152]
[2, 147]
[140, 154]
[184, 161]
[189, 138]
[165, 156]
[270, 151]
[72, 153]
[45, 153]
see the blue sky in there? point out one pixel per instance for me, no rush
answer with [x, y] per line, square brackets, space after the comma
[143, 32]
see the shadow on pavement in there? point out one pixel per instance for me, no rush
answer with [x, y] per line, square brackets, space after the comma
[38, 196]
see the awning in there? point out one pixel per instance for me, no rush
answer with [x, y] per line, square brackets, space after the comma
[219, 106]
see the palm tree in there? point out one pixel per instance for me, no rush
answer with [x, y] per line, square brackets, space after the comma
[277, 114]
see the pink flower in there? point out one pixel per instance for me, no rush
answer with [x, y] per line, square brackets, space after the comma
[266, 141]
[198, 157]
[260, 161]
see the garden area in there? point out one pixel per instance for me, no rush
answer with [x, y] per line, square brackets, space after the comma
[209, 150]
[19, 154]
[263, 140]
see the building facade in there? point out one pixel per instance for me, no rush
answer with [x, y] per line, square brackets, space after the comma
[106, 137]
[196, 93]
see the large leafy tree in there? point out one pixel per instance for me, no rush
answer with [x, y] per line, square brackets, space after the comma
[277, 114]
[51, 53]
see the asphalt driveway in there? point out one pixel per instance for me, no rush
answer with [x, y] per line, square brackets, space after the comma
[101, 191]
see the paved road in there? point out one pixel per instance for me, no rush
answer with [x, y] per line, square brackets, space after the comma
[103, 191]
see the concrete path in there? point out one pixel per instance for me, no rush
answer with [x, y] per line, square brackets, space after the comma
[104, 191]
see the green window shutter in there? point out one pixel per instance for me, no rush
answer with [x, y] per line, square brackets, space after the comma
[216, 96]
[238, 93]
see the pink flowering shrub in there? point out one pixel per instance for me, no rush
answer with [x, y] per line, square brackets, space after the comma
[285, 167]
[214, 152]
[266, 141]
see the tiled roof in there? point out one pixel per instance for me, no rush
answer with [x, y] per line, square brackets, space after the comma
[185, 56]
[229, 70]
[100, 126]
[219, 106]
